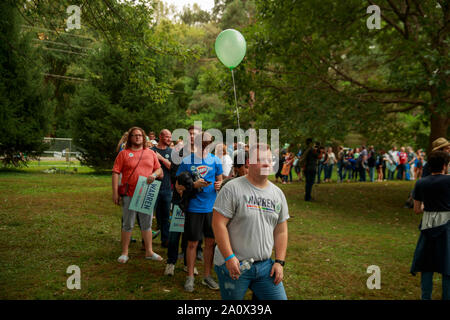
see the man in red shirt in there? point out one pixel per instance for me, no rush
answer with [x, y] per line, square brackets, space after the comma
[134, 161]
[403, 158]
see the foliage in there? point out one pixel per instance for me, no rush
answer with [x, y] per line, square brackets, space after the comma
[129, 87]
[317, 62]
[24, 100]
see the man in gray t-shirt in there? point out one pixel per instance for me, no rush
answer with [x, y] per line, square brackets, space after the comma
[249, 221]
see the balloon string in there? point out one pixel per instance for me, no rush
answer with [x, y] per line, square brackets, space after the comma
[235, 100]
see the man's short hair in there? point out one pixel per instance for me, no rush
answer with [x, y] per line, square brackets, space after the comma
[162, 132]
[236, 159]
[437, 160]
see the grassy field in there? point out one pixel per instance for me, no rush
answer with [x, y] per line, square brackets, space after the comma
[51, 221]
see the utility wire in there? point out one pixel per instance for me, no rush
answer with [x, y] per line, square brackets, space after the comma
[62, 44]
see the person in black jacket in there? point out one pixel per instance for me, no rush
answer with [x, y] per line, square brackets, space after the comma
[432, 198]
[308, 161]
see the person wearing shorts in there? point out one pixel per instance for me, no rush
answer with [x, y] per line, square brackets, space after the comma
[208, 170]
[134, 161]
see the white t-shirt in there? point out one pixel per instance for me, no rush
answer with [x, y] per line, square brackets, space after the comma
[254, 213]
[227, 164]
[331, 158]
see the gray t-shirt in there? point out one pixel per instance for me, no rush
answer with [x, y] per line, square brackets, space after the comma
[254, 213]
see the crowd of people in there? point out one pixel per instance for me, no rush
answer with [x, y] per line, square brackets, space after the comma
[355, 164]
[220, 191]
[219, 195]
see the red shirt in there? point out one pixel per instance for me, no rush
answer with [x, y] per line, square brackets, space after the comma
[403, 157]
[127, 160]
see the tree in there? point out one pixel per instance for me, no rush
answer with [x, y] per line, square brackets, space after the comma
[195, 15]
[321, 57]
[24, 106]
[130, 83]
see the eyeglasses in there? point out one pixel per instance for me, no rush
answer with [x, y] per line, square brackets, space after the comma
[136, 135]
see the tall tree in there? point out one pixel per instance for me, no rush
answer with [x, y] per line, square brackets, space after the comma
[24, 100]
[130, 82]
[322, 57]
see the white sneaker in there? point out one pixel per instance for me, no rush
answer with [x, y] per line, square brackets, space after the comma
[195, 270]
[170, 269]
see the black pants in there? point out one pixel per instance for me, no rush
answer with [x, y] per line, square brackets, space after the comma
[310, 176]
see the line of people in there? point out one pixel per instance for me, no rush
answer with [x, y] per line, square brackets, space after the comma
[219, 213]
[358, 164]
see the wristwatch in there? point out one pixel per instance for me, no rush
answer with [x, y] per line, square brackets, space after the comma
[280, 262]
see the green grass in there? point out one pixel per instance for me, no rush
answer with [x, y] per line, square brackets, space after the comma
[52, 221]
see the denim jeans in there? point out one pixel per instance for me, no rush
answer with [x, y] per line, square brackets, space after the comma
[362, 174]
[391, 174]
[427, 286]
[340, 167]
[320, 168]
[328, 171]
[407, 171]
[372, 174]
[310, 176]
[400, 170]
[350, 171]
[162, 210]
[257, 278]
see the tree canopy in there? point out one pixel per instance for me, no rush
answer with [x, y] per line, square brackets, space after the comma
[312, 69]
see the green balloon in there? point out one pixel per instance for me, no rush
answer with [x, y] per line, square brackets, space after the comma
[230, 47]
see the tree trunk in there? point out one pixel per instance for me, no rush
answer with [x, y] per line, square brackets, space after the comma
[439, 124]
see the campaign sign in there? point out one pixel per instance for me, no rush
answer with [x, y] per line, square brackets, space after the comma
[177, 223]
[145, 195]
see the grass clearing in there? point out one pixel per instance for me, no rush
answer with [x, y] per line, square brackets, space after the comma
[52, 221]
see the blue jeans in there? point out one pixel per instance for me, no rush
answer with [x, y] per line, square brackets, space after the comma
[257, 279]
[372, 174]
[362, 174]
[320, 167]
[349, 170]
[391, 174]
[407, 171]
[427, 285]
[162, 210]
[340, 167]
[172, 250]
[328, 171]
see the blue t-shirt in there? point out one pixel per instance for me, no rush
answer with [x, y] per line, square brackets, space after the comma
[207, 168]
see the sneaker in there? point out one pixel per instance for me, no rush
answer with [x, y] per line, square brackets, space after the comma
[189, 284]
[170, 269]
[209, 281]
[185, 269]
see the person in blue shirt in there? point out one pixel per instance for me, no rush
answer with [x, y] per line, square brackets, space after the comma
[207, 170]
